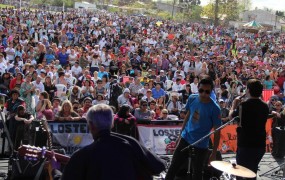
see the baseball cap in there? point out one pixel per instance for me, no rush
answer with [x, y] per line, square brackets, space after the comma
[221, 100]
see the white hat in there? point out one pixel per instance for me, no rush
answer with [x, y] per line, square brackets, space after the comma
[126, 90]
[221, 100]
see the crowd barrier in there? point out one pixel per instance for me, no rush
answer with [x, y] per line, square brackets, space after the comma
[160, 139]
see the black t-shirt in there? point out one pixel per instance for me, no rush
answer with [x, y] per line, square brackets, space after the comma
[26, 116]
[144, 65]
[253, 119]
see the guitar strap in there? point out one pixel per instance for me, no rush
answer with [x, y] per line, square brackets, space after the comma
[38, 175]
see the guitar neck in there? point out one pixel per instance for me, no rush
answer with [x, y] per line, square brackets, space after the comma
[59, 157]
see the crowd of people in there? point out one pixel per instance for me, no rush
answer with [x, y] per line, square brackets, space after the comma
[56, 65]
[60, 64]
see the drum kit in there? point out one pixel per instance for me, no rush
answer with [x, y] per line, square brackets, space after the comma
[231, 170]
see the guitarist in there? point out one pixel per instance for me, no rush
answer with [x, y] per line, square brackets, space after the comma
[111, 155]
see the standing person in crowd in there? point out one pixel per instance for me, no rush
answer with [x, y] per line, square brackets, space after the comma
[10, 109]
[124, 121]
[27, 92]
[98, 159]
[198, 122]
[23, 127]
[251, 133]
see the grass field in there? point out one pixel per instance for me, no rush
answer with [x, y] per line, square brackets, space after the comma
[5, 5]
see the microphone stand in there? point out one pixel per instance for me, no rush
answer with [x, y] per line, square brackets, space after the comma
[190, 148]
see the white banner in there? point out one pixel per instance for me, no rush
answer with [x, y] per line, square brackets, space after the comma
[160, 139]
[71, 136]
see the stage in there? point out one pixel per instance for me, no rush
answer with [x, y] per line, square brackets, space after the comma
[267, 163]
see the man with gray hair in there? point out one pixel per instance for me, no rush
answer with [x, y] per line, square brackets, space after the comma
[111, 155]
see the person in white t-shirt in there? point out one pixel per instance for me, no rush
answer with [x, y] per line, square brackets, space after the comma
[72, 57]
[194, 86]
[10, 51]
[76, 70]
[186, 65]
[38, 84]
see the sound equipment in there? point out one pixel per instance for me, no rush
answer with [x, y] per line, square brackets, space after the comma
[278, 137]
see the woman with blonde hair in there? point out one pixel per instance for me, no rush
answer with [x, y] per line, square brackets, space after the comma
[67, 113]
[44, 110]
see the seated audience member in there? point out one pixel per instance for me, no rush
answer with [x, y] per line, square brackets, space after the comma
[164, 115]
[100, 99]
[76, 106]
[124, 121]
[174, 105]
[142, 113]
[44, 110]
[56, 105]
[67, 113]
[125, 98]
[87, 103]
[75, 94]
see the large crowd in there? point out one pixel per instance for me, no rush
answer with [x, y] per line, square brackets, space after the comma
[59, 64]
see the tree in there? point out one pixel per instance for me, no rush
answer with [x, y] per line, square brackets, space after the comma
[245, 5]
[66, 3]
[209, 11]
[195, 12]
[230, 8]
[279, 13]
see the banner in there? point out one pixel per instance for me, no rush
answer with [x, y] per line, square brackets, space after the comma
[159, 139]
[71, 135]
[228, 140]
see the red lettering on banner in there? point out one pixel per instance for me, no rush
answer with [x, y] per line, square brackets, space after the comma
[228, 140]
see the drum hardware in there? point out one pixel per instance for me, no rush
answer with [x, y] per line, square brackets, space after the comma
[191, 146]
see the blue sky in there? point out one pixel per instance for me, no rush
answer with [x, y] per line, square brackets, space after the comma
[271, 4]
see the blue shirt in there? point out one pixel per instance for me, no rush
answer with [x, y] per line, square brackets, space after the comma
[63, 58]
[157, 94]
[203, 116]
[101, 74]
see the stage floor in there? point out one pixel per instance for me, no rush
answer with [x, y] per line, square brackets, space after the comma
[267, 163]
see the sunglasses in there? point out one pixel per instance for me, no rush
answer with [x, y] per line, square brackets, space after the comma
[144, 105]
[164, 113]
[203, 90]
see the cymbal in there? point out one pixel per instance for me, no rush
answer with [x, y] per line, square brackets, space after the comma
[230, 169]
